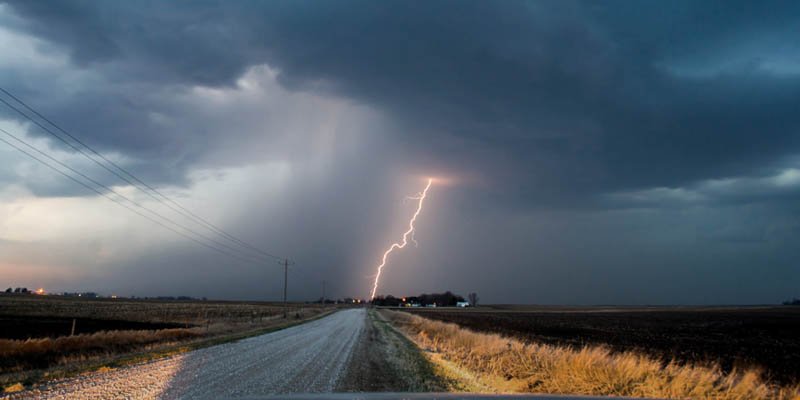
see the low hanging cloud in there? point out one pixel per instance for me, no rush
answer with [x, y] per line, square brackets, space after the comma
[784, 186]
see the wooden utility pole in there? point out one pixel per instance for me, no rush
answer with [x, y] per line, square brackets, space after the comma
[286, 263]
[285, 279]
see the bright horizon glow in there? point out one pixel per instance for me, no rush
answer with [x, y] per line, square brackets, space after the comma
[404, 242]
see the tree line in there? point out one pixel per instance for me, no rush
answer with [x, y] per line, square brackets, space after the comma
[446, 299]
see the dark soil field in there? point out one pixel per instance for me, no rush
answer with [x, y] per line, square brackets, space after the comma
[746, 337]
[17, 327]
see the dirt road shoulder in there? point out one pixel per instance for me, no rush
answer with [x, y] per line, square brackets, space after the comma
[385, 361]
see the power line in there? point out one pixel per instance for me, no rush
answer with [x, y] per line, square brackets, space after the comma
[109, 189]
[106, 195]
[161, 198]
[89, 157]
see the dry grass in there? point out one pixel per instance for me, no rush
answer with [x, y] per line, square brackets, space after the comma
[18, 355]
[17, 387]
[508, 365]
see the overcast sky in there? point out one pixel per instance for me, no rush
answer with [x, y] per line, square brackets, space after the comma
[639, 152]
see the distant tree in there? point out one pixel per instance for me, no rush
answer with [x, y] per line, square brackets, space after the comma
[792, 302]
[17, 290]
[446, 299]
[391, 301]
[473, 299]
[9, 290]
[388, 301]
[25, 290]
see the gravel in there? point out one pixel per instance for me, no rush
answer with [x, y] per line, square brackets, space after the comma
[307, 358]
[385, 361]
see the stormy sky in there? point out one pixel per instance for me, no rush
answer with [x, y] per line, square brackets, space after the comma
[638, 152]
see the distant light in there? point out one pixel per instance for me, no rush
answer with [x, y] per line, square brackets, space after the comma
[113, 296]
[40, 291]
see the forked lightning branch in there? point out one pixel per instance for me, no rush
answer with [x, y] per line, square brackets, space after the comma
[408, 234]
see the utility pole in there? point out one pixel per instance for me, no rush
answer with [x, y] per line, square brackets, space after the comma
[323, 293]
[285, 278]
[286, 263]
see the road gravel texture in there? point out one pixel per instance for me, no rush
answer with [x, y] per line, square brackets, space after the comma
[307, 358]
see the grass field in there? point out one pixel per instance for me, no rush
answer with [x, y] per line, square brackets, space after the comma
[491, 362]
[764, 338]
[35, 341]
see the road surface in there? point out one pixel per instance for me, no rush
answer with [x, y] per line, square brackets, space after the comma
[307, 358]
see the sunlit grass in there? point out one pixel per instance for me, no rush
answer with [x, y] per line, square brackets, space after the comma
[17, 387]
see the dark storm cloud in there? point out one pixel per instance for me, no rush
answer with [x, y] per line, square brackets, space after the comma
[565, 98]
[573, 97]
[655, 124]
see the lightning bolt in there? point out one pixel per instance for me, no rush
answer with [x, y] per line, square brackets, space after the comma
[409, 233]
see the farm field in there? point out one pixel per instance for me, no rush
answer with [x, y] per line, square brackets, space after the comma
[22, 327]
[35, 341]
[742, 338]
[192, 312]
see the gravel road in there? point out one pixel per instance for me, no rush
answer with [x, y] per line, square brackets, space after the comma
[306, 358]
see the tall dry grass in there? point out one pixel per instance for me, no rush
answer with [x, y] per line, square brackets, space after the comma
[16, 355]
[508, 365]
